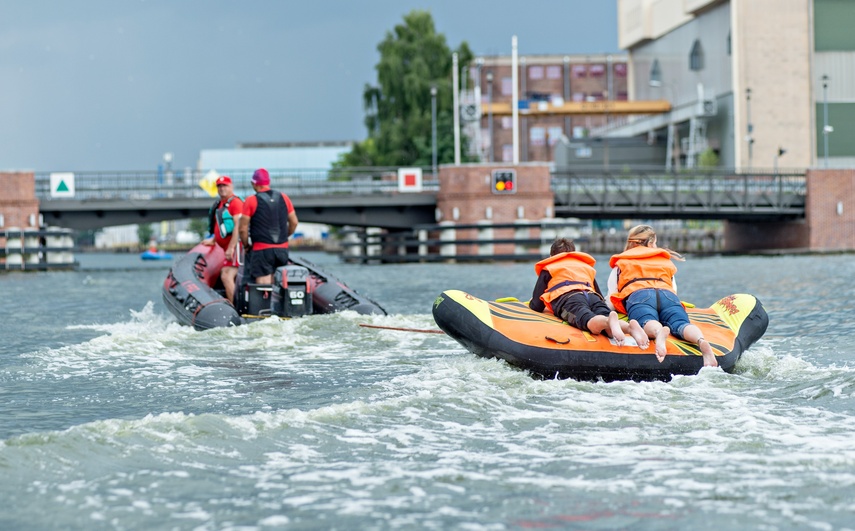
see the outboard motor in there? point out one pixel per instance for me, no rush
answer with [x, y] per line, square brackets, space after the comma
[291, 292]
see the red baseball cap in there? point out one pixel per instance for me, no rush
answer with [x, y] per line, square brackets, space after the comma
[224, 179]
[261, 177]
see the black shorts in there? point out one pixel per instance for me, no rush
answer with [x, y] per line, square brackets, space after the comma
[579, 307]
[266, 261]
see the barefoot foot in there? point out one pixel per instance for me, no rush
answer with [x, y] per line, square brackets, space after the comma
[638, 334]
[614, 326]
[709, 355]
[662, 343]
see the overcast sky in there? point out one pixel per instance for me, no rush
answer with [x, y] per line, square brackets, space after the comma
[115, 84]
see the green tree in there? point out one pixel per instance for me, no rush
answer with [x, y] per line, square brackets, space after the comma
[198, 226]
[413, 57]
[144, 233]
[708, 158]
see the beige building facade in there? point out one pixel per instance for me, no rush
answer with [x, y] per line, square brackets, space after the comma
[762, 83]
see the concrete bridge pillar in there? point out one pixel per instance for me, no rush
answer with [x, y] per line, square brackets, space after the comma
[829, 223]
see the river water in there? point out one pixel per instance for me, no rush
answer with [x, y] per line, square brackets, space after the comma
[113, 416]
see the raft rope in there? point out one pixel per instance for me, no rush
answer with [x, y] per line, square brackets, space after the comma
[423, 331]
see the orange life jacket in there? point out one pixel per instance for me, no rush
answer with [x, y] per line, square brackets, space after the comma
[641, 268]
[570, 272]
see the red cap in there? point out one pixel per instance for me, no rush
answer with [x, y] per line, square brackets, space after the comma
[224, 179]
[261, 177]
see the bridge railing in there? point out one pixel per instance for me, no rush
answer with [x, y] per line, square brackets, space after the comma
[655, 191]
[185, 183]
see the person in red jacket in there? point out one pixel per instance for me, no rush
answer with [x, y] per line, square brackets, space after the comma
[567, 287]
[642, 285]
[223, 219]
[268, 220]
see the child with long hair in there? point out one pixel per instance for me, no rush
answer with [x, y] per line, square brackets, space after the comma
[642, 286]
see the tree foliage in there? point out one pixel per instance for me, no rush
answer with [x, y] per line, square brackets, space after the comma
[413, 57]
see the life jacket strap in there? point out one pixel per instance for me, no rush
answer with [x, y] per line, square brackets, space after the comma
[568, 283]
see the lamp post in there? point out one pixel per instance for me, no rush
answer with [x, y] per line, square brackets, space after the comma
[826, 129]
[490, 114]
[750, 127]
[433, 127]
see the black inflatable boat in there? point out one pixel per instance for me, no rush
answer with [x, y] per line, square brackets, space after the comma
[193, 292]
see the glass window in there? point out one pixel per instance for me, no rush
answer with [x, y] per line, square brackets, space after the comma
[553, 72]
[507, 86]
[597, 70]
[537, 136]
[507, 153]
[507, 122]
[696, 57]
[655, 73]
[554, 133]
[579, 70]
[620, 70]
[535, 72]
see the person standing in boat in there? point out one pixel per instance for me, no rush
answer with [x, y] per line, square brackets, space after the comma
[223, 219]
[642, 285]
[268, 220]
[567, 287]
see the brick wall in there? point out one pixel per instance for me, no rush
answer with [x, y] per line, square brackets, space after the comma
[830, 209]
[18, 199]
[468, 189]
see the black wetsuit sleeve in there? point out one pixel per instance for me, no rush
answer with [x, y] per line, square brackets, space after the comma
[542, 282]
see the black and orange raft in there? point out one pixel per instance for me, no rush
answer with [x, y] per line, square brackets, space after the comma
[550, 348]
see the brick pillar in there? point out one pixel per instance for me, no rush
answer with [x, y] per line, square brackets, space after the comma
[18, 201]
[466, 192]
[830, 209]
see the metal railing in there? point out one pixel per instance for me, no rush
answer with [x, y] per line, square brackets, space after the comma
[704, 193]
[580, 192]
[185, 183]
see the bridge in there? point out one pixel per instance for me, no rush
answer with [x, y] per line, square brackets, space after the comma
[369, 197]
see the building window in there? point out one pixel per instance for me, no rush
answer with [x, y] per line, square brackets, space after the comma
[507, 153]
[620, 70]
[579, 71]
[554, 134]
[655, 73]
[507, 86]
[578, 96]
[597, 70]
[553, 72]
[696, 57]
[535, 72]
[537, 136]
[507, 122]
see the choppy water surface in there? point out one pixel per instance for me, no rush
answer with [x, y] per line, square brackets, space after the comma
[113, 416]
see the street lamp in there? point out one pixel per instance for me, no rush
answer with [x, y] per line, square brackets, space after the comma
[826, 129]
[433, 127]
[750, 127]
[490, 114]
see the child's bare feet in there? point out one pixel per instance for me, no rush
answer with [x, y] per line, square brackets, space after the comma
[638, 334]
[661, 343]
[614, 326]
[709, 355]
